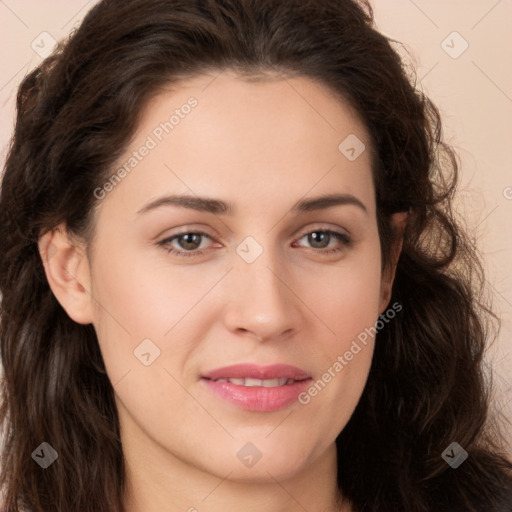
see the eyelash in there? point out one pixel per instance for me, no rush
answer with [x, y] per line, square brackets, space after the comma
[345, 239]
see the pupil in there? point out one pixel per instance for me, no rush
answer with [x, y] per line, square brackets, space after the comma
[190, 240]
[317, 237]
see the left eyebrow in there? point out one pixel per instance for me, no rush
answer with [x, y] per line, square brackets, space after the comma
[322, 202]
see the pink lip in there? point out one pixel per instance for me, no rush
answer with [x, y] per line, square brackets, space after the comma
[257, 372]
[258, 398]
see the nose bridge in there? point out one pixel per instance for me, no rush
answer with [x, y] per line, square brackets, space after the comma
[260, 301]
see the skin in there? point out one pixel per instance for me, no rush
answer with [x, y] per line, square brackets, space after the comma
[263, 146]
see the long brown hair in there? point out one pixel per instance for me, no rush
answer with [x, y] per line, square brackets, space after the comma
[76, 113]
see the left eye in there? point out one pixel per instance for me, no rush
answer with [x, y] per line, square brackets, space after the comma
[320, 239]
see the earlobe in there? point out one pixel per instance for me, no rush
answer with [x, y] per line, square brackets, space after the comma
[399, 221]
[67, 271]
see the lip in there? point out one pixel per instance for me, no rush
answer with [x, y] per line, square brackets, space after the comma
[257, 372]
[257, 398]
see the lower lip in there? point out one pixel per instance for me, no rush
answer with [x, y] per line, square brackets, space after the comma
[258, 398]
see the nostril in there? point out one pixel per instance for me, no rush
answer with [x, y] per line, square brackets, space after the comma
[259, 338]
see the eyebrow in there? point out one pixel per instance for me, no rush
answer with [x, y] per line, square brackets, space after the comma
[218, 207]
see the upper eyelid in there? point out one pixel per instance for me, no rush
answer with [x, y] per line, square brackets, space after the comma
[300, 232]
[175, 236]
[340, 230]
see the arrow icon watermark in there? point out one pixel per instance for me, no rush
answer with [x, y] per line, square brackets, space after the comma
[45, 455]
[249, 455]
[454, 455]
[352, 147]
[146, 352]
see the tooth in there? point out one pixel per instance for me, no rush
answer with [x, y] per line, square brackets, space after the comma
[271, 383]
[237, 381]
[253, 382]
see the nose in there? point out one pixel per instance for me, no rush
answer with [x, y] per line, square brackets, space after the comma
[261, 301]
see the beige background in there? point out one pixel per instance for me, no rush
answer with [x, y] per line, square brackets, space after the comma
[461, 50]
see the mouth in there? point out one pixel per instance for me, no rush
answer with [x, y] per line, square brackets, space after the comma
[249, 371]
[251, 382]
[257, 388]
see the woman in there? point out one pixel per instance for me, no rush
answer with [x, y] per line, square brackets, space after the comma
[231, 275]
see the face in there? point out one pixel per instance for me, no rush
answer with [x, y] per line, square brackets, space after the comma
[260, 272]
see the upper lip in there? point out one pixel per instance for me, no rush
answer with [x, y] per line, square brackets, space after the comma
[254, 371]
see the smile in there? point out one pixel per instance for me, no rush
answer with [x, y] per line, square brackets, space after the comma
[266, 383]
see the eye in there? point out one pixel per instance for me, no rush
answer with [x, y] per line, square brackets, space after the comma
[321, 239]
[189, 241]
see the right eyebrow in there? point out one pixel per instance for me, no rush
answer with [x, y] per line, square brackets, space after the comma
[201, 204]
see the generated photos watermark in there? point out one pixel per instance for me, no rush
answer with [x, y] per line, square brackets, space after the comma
[151, 142]
[356, 347]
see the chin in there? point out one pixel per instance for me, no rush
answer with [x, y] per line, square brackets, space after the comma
[265, 460]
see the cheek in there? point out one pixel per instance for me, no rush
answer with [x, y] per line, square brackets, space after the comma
[346, 298]
[347, 301]
[137, 300]
[143, 295]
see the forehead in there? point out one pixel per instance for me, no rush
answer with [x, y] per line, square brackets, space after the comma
[226, 135]
[232, 100]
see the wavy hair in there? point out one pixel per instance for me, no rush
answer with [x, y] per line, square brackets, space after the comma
[77, 111]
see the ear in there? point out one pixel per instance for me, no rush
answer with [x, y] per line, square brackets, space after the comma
[399, 222]
[68, 273]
